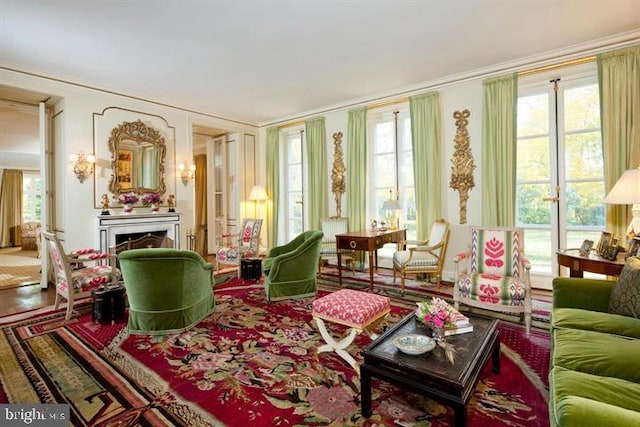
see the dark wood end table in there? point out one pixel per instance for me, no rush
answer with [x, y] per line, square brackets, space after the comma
[431, 373]
[369, 241]
[593, 263]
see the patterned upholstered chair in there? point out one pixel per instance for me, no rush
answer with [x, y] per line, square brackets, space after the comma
[78, 273]
[245, 244]
[330, 227]
[30, 236]
[426, 257]
[497, 276]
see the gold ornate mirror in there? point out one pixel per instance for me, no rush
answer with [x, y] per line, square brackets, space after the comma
[137, 159]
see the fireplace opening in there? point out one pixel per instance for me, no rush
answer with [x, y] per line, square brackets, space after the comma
[133, 237]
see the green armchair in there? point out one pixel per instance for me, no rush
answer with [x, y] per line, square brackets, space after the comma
[291, 269]
[169, 290]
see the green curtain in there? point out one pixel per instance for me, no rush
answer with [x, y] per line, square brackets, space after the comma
[273, 184]
[426, 125]
[619, 79]
[356, 169]
[499, 106]
[317, 171]
[10, 208]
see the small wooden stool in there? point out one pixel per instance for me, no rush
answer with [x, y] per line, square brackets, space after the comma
[356, 309]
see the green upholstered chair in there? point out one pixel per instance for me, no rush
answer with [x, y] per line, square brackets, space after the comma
[291, 269]
[169, 290]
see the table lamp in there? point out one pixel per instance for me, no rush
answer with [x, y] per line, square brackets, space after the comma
[392, 205]
[627, 192]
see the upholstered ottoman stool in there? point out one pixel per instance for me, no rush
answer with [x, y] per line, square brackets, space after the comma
[356, 309]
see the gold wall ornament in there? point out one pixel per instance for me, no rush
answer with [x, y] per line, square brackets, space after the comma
[463, 164]
[337, 173]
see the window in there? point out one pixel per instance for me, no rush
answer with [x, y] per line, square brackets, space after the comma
[293, 183]
[560, 182]
[391, 168]
[31, 198]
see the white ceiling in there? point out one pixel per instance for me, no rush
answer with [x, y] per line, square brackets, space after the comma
[263, 61]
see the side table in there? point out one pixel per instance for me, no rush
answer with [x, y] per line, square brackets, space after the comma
[593, 263]
[251, 268]
[108, 304]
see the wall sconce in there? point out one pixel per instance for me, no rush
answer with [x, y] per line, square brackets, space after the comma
[186, 173]
[82, 165]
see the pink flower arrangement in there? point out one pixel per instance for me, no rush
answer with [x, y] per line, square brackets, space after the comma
[128, 198]
[436, 313]
[151, 198]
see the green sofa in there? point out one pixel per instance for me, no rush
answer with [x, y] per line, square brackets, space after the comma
[594, 375]
[169, 290]
[291, 269]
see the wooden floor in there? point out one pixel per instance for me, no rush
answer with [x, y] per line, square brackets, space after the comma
[24, 298]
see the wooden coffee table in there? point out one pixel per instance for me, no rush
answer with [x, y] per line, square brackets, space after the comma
[431, 373]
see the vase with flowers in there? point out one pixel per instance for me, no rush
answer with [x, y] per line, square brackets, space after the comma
[128, 200]
[437, 315]
[153, 199]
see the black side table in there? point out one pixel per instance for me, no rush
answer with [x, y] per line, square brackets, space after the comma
[108, 304]
[251, 268]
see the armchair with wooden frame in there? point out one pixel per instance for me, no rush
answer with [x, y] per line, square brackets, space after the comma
[73, 278]
[495, 275]
[328, 250]
[245, 244]
[426, 257]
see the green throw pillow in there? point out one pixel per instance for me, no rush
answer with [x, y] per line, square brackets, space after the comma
[625, 295]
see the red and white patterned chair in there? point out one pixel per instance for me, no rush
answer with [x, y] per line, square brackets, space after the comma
[245, 244]
[73, 278]
[497, 276]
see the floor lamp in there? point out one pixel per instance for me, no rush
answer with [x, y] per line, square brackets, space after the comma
[258, 195]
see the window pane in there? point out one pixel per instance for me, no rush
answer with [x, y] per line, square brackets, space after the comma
[584, 204]
[537, 249]
[533, 159]
[384, 138]
[533, 115]
[583, 153]
[384, 171]
[531, 208]
[582, 108]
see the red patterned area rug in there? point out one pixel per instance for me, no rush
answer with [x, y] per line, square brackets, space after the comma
[248, 364]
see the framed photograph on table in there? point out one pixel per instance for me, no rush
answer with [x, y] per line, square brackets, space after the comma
[586, 247]
[604, 242]
[611, 252]
[634, 247]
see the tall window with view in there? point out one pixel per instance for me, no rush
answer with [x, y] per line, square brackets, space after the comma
[560, 181]
[391, 169]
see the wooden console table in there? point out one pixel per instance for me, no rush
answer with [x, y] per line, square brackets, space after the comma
[367, 240]
[593, 263]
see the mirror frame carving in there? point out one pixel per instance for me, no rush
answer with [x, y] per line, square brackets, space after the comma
[140, 133]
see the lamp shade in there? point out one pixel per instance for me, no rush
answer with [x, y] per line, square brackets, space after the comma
[258, 193]
[627, 189]
[391, 205]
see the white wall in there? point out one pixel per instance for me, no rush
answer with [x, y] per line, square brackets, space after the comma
[78, 203]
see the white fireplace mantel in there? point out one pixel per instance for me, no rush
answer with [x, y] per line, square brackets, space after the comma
[110, 226]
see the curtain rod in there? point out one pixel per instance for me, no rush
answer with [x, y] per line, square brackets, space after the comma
[369, 107]
[559, 65]
[292, 124]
